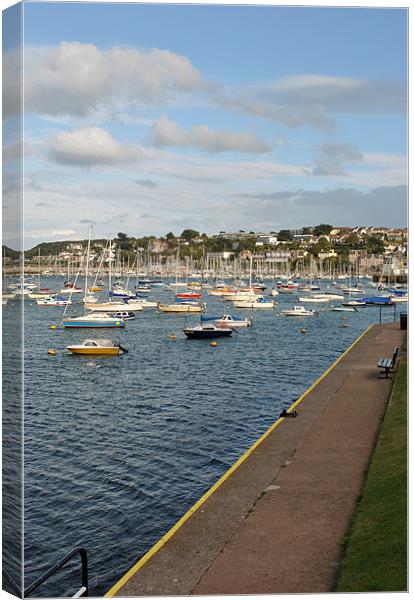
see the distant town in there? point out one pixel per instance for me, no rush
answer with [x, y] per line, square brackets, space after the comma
[324, 248]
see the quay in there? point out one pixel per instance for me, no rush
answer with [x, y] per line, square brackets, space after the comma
[274, 522]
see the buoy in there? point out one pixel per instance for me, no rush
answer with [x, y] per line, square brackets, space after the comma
[52, 326]
[213, 344]
[172, 336]
[52, 351]
[345, 325]
[302, 330]
[344, 318]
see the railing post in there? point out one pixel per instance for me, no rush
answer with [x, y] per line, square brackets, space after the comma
[59, 565]
[84, 559]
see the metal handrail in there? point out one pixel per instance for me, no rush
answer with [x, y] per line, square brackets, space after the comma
[83, 591]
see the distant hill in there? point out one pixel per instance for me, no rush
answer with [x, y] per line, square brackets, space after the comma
[10, 253]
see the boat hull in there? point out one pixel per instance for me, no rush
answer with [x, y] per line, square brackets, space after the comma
[252, 304]
[95, 351]
[180, 309]
[93, 324]
[207, 335]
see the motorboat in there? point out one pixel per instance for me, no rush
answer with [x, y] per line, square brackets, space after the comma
[187, 296]
[71, 290]
[244, 294]
[229, 321]
[140, 303]
[345, 309]
[318, 298]
[143, 289]
[38, 295]
[121, 293]
[298, 311]
[98, 347]
[287, 288]
[378, 301]
[53, 301]
[207, 331]
[94, 321]
[126, 315]
[182, 307]
[221, 292]
[330, 296]
[351, 303]
[91, 299]
[352, 290]
[257, 302]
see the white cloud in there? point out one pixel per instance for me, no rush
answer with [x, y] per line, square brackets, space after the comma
[167, 133]
[92, 146]
[313, 99]
[77, 79]
[333, 156]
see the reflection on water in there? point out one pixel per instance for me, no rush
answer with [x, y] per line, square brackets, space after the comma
[117, 449]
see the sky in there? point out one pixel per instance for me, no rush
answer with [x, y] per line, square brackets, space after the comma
[147, 119]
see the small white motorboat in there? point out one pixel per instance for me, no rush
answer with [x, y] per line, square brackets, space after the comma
[53, 301]
[260, 302]
[97, 347]
[141, 303]
[318, 299]
[298, 311]
[71, 290]
[182, 307]
[229, 321]
[126, 315]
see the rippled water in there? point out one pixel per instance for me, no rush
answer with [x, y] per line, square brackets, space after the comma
[118, 448]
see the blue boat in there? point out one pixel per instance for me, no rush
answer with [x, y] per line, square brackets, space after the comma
[378, 301]
[94, 321]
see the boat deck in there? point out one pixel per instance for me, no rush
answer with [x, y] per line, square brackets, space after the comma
[273, 522]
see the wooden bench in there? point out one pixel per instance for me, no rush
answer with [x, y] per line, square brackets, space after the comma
[388, 364]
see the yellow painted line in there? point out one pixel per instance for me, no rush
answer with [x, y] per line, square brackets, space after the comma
[138, 565]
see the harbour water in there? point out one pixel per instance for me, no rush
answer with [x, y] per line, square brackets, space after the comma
[118, 448]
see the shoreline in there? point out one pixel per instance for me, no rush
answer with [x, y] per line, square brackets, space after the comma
[183, 560]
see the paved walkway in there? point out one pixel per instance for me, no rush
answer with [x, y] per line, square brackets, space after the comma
[274, 525]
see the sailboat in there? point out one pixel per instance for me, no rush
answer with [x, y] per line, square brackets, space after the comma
[39, 294]
[92, 320]
[121, 302]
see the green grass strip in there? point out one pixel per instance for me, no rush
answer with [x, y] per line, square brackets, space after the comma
[375, 556]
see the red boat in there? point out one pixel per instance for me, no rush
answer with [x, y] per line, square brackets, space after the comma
[188, 295]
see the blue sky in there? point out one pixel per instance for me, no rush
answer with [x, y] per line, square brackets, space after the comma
[153, 118]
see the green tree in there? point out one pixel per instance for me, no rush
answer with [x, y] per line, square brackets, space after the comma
[322, 229]
[189, 234]
[353, 242]
[374, 245]
[170, 236]
[285, 235]
[122, 236]
[321, 246]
